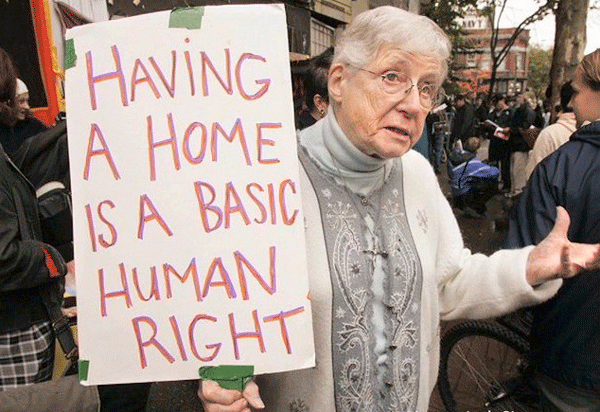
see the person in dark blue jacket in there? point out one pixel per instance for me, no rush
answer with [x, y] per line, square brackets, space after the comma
[472, 182]
[565, 336]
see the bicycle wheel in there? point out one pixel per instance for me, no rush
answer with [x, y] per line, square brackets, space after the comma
[483, 367]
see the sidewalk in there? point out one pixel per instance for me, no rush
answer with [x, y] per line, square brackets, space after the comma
[174, 397]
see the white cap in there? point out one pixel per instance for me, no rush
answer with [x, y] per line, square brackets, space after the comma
[21, 87]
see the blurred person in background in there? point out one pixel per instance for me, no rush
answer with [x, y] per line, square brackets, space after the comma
[31, 271]
[16, 121]
[556, 134]
[317, 99]
[463, 124]
[438, 126]
[481, 108]
[499, 150]
[473, 183]
[521, 120]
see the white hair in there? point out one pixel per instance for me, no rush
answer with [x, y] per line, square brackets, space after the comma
[372, 30]
[21, 87]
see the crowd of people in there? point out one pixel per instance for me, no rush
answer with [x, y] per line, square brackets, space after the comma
[510, 135]
[368, 102]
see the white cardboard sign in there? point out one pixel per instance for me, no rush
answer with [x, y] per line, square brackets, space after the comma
[189, 239]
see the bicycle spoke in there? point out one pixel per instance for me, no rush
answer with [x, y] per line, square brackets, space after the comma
[477, 377]
[482, 369]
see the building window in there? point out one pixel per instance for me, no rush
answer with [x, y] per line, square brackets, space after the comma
[520, 62]
[518, 87]
[486, 62]
[502, 65]
[511, 88]
[321, 37]
[471, 60]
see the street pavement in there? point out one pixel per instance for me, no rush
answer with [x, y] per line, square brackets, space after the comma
[174, 397]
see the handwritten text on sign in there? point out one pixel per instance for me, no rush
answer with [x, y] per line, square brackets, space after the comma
[186, 202]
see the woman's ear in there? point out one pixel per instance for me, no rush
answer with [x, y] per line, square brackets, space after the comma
[337, 75]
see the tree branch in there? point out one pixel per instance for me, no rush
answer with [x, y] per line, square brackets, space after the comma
[541, 12]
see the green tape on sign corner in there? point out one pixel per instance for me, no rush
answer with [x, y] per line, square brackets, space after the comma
[84, 367]
[186, 18]
[70, 56]
[228, 376]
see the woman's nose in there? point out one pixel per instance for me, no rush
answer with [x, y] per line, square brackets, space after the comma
[410, 100]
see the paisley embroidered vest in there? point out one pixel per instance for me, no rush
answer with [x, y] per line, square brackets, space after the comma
[352, 261]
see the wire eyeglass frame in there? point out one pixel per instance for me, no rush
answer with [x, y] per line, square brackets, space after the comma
[404, 85]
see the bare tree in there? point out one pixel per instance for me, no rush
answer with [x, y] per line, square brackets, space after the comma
[447, 14]
[493, 10]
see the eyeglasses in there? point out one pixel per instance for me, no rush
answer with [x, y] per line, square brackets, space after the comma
[399, 83]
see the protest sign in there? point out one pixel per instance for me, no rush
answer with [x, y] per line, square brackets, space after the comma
[189, 239]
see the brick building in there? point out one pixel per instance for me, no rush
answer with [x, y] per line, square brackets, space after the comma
[475, 66]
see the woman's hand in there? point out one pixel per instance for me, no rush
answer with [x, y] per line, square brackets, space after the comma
[557, 257]
[71, 267]
[69, 312]
[216, 399]
[70, 283]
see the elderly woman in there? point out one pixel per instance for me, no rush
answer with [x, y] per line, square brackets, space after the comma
[565, 348]
[386, 256]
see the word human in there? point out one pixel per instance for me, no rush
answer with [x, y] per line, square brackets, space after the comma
[217, 280]
[162, 81]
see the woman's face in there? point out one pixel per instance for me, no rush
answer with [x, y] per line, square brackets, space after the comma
[585, 101]
[378, 123]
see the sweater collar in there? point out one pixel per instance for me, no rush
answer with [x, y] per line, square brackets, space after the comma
[344, 152]
[335, 153]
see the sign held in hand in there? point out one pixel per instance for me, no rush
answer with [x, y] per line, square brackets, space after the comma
[189, 235]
